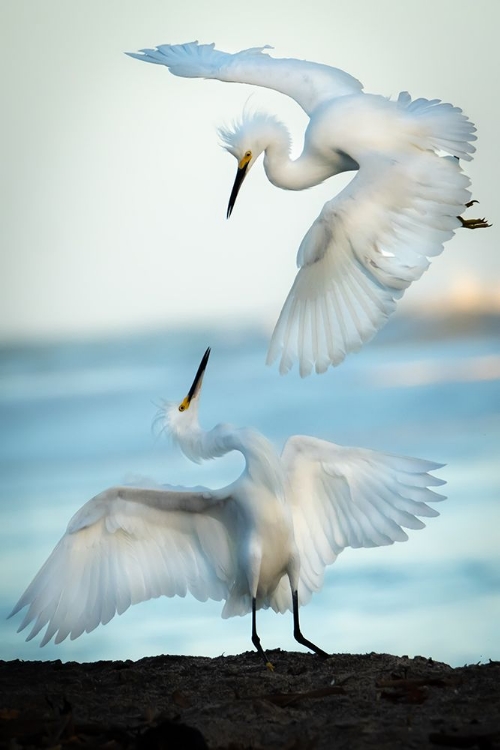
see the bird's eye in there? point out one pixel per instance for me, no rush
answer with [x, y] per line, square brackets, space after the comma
[181, 407]
[248, 154]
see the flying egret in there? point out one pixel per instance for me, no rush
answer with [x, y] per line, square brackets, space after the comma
[263, 541]
[375, 237]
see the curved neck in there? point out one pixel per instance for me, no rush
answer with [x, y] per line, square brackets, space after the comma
[298, 174]
[309, 169]
[199, 445]
[262, 464]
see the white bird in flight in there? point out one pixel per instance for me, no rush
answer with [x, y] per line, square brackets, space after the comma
[375, 237]
[263, 541]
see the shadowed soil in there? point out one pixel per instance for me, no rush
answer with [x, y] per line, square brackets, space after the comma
[360, 701]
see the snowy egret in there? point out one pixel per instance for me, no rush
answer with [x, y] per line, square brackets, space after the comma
[262, 541]
[373, 239]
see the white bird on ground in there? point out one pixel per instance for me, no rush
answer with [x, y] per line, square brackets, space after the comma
[373, 239]
[263, 541]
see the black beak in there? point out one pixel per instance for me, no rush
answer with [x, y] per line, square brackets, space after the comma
[198, 379]
[240, 176]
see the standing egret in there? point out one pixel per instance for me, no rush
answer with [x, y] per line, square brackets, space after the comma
[263, 541]
[373, 239]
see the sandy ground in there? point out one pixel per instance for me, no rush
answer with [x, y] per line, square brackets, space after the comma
[345, 701]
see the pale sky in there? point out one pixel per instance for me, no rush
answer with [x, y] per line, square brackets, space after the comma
[115, 188]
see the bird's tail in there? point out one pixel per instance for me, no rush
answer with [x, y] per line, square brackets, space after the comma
[446, 128]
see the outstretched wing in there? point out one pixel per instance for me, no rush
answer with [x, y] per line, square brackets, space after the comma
[308, 83]
[127, 545]
[372, 240]
[351, 497]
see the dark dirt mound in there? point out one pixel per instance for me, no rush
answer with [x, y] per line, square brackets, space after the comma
[369, 701]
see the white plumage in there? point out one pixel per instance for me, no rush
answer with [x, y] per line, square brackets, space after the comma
[263, 541]
[373, 239]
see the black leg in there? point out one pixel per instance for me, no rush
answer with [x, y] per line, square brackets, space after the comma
[296, 629]
[256, 639]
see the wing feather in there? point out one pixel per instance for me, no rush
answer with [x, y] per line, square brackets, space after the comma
[375, 238]
[309, 83]
[127, 545]
[351, 497]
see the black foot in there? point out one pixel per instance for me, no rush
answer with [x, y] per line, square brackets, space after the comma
[317, 650]
[474, 223]
[256, 643]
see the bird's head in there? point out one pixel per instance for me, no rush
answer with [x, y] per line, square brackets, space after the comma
[246, 139]
[181, 419]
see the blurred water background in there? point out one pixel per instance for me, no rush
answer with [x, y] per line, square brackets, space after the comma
[76, 417]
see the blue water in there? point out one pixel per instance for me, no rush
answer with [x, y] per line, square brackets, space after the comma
[76, 418]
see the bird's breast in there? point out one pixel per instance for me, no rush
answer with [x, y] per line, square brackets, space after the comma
[270, 531]
[277, 549]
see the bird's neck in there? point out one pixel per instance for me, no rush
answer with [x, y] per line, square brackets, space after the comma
[311, 168]
[262, 463]
[297, 174]
[201, 445]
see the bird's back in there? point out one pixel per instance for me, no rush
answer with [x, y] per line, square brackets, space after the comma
[360, 124]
